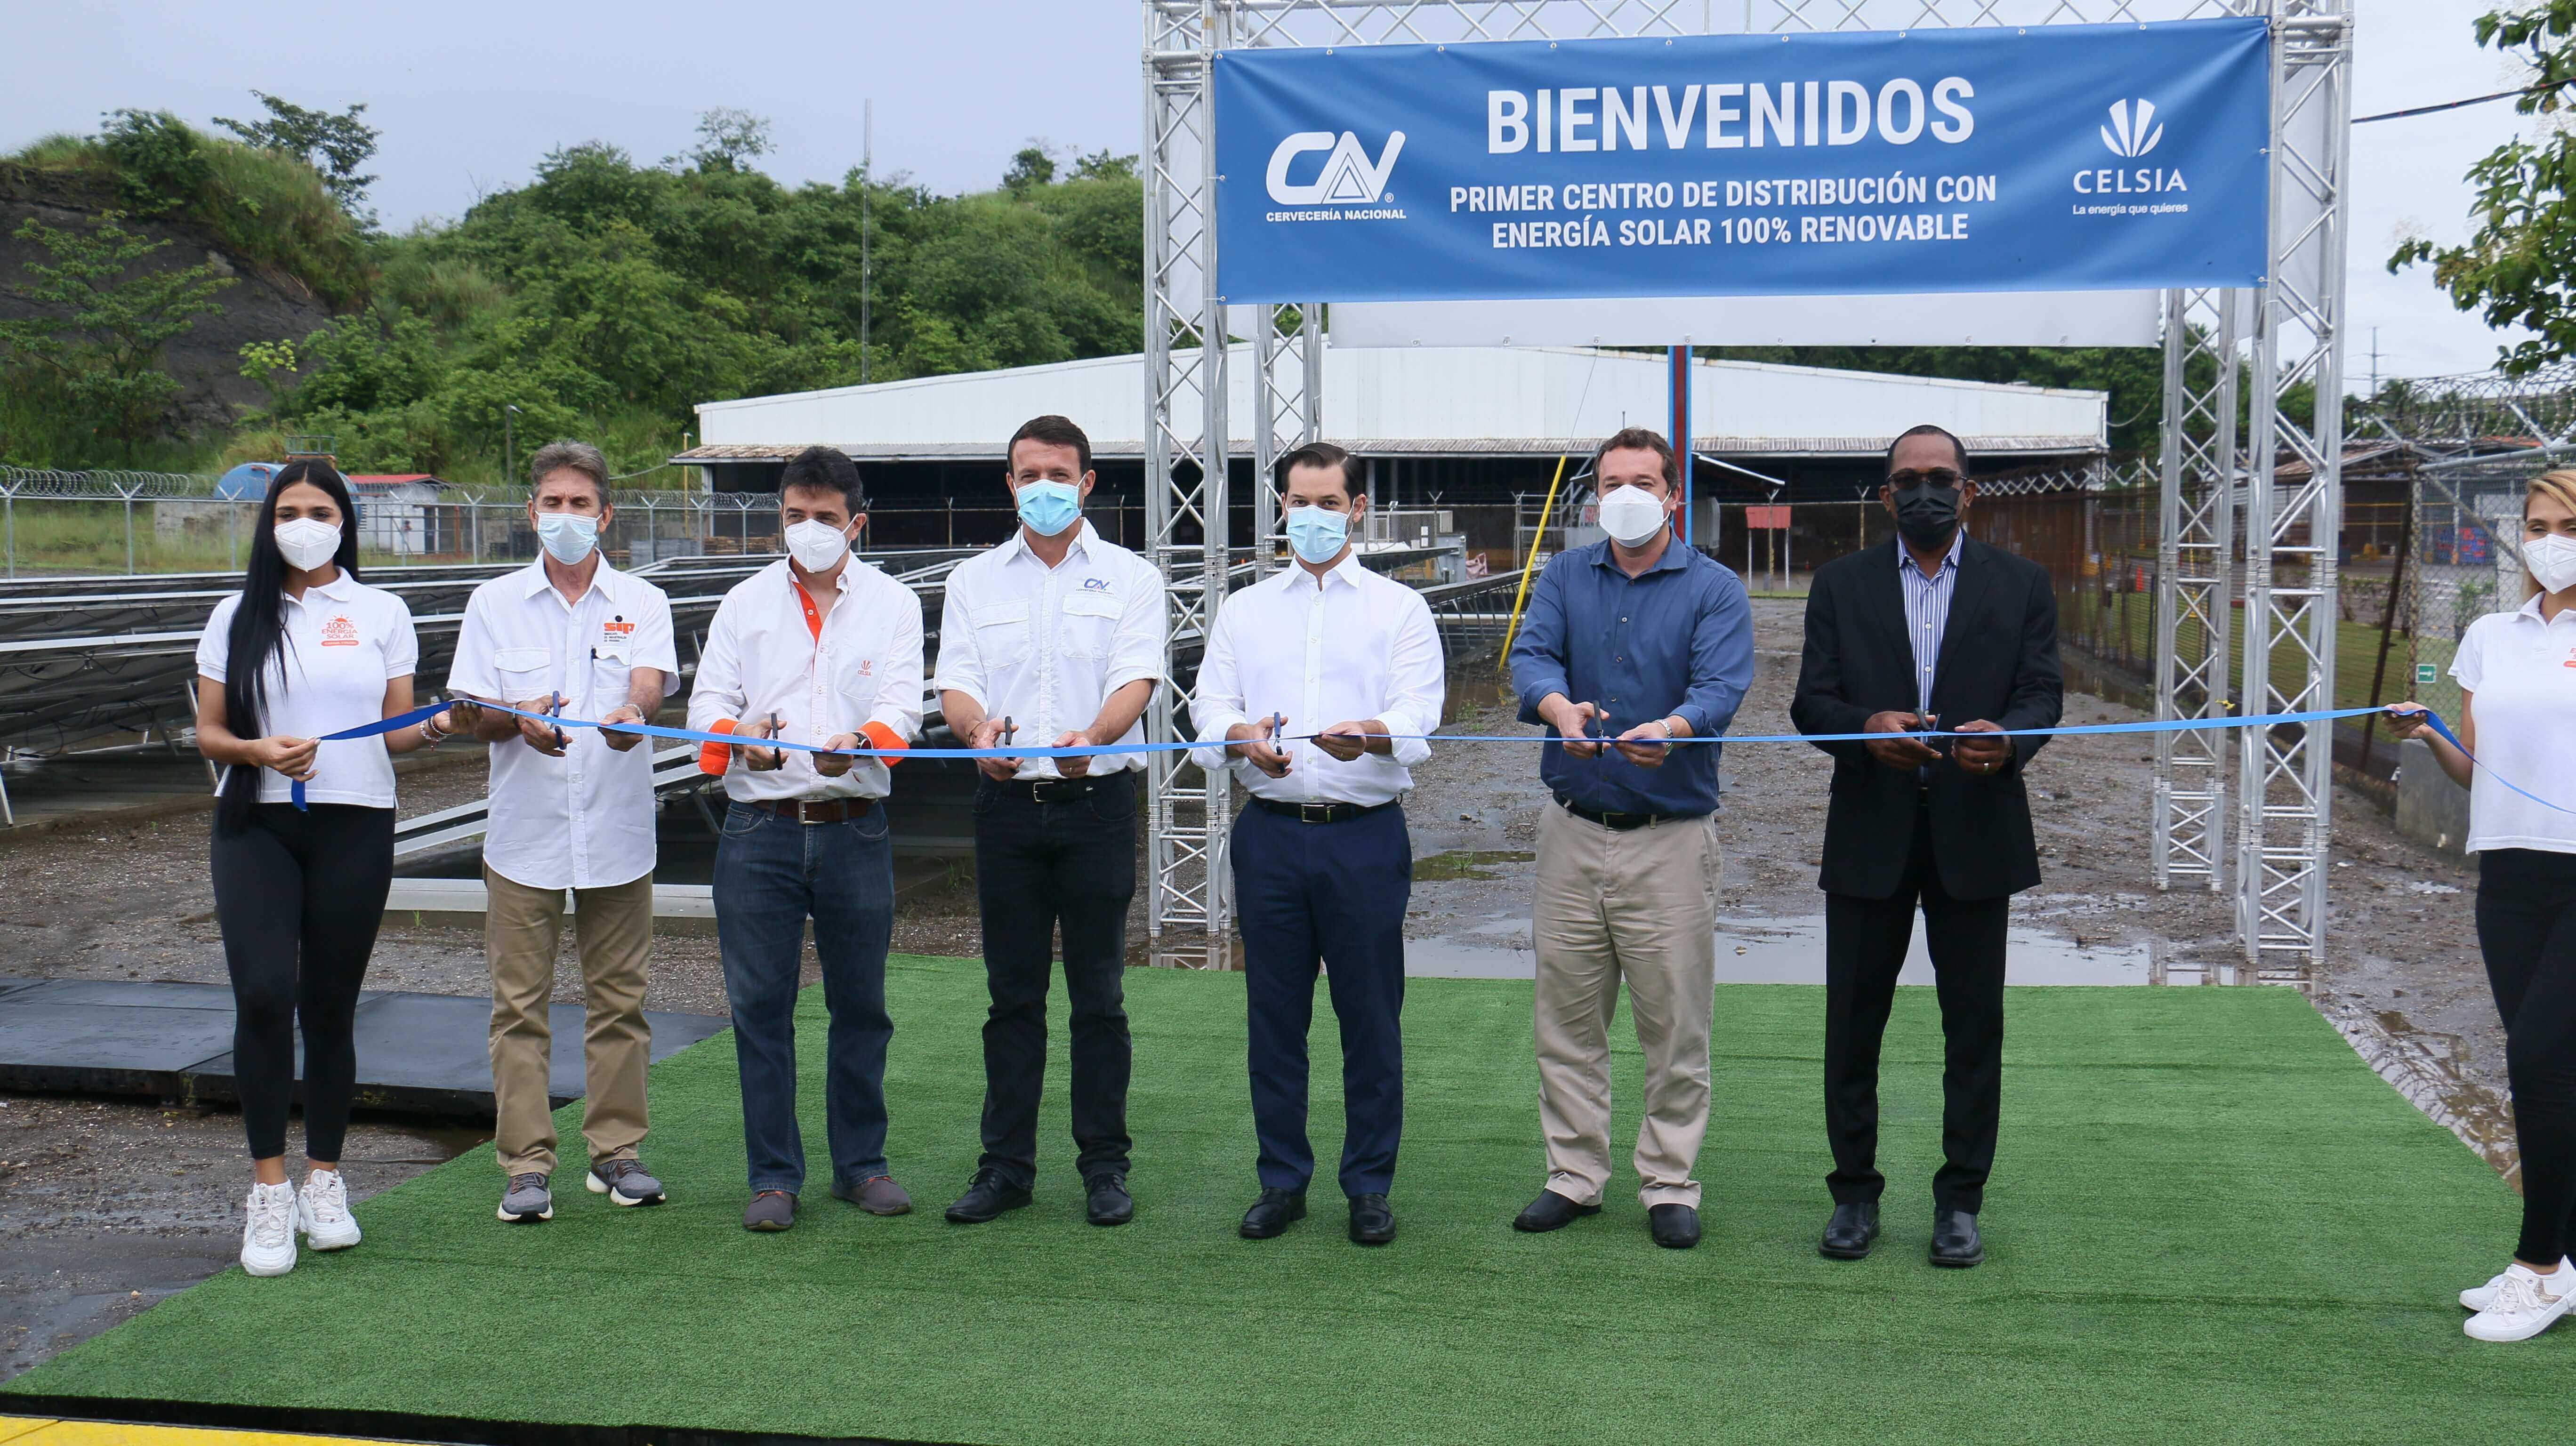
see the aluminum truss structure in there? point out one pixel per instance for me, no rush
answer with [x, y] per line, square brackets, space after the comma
[2296, 333]
[2195, 596]
[2285, 792]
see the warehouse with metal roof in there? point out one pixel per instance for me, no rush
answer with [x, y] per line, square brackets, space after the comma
[1466, 429]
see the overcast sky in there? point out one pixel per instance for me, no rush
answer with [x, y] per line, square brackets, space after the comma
[470, 93]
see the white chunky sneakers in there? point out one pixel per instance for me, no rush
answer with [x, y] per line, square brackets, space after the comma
[322, 1212]
[268, 1237]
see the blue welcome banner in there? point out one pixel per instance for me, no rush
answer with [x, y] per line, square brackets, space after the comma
[2052, 158]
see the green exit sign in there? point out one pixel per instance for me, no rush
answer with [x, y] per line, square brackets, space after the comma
[2424, 673]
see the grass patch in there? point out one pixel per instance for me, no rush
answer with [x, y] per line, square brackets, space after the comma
[2210, 1222]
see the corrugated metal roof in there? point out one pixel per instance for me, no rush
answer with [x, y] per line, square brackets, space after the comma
[1818, 447]
[1434, 401]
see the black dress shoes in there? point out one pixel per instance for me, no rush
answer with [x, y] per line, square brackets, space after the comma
[1106, 1201]
[1955, 1242]
[1273, 1213]
[1551, 1211]
[1675, 1227]
[1372, 1220]
[1852, 1231]
[986, 1197]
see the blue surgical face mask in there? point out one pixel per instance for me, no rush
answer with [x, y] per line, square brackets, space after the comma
[1317, 535]
[1050, 507]
[568, 536]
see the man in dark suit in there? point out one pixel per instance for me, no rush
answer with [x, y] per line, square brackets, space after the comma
[1934, 630]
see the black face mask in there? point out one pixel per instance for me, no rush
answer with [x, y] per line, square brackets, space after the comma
[1927, 514]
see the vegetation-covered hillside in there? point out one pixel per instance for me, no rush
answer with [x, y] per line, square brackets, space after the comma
[601, 299]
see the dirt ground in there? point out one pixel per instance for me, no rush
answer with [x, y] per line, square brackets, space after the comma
[106, 1205]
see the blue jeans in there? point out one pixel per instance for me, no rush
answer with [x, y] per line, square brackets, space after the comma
[772, 873]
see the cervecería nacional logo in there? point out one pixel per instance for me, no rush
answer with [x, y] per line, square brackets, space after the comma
[1347, 186]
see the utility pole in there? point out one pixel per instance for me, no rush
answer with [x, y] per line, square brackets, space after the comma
[2374, 361]
[867, 183]
[509, 446]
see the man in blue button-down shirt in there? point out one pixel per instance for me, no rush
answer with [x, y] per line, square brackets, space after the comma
[1628, 644]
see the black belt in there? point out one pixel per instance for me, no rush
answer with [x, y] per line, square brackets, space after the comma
[1320, 812]
[1060, 790]
[1619, 821]
[814, 810]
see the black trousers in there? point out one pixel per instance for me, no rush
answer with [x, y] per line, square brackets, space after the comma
[1328, 897]
[1039, 865]
[2527, 930]
[1865, 944]
[298, 897]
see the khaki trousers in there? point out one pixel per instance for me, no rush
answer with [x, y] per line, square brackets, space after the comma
[522, 927]
[1639, 905]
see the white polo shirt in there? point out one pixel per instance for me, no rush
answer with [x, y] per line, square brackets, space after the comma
[585, 820]
[761, 657]
[1046, 646]
[338, 646]
[1353, 647]
[2520, 671]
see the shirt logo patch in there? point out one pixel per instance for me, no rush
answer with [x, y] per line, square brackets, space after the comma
[619, 629]
[339, 632]
[867, 667]
[1095, 584]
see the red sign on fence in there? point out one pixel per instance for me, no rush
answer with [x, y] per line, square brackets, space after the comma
[1767, 519]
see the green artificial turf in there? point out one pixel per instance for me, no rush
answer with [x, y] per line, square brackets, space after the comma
[2209, 1222]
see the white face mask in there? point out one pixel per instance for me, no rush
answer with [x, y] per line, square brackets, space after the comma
[1632, 516]
[816, 546]
[2552, 561]
[306, 543]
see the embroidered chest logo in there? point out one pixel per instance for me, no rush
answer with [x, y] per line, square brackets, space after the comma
[2571, 659]
[618, 629]
[867, 667]
[1095, 584]
[338, 631]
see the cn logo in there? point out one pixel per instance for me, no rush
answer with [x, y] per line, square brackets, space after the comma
[1348, 176]
[2127, 136]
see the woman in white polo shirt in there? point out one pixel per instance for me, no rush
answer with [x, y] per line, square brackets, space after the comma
[2517, 676]
[304, 650]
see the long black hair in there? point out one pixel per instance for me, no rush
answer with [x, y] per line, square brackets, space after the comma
[258, 631]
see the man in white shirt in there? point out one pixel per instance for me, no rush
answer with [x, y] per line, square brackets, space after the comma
[1318, 684]
[1055, 638]
[570, 809]
[820, 649]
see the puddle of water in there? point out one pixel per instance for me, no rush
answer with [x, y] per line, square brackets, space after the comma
[1467, 864]
[2423, 1065]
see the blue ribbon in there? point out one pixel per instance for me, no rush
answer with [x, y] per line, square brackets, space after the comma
[692, 735]
[1124, 748]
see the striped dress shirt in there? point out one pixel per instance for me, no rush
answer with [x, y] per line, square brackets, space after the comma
[1927, 612]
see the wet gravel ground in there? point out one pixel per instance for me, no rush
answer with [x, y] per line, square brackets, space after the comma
[107, 1205]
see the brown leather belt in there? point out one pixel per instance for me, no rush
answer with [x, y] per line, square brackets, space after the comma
[814, 810]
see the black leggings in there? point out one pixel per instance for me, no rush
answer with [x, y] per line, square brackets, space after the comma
[299, 896]
[2527, 929]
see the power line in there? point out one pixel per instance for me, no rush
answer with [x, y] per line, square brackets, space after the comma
[2456, 104]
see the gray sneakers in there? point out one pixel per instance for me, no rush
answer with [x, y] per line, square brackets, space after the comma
[527, 1199]
[877, 1195]
[769, 1210]
[624, 1182]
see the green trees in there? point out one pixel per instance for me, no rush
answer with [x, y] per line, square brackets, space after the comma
[2517, 269]
[85, 369]
[334, 145]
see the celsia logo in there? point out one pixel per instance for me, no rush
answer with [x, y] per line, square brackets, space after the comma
[2129, 135]
[1348, 176]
